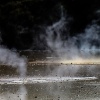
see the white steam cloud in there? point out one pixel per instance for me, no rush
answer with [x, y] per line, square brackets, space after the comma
[8, 57]
[84, 46]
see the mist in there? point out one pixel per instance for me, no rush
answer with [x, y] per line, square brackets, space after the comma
[82, 48]
[20, 94]
[13, 59]
[85, 45]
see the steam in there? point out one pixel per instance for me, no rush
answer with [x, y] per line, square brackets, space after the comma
[22, 92]
[83, 47]
[10, 58]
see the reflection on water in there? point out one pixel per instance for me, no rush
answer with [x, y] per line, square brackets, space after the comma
[54, 88]
[13, 92]
[77, 90]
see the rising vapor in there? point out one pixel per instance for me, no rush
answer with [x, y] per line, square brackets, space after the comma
[83, 48]
[11, 58]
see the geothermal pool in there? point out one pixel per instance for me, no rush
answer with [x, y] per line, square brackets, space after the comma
[53, 89]
[50, 81]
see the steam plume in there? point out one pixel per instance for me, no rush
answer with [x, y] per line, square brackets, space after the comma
[80, 48]
[83, 45]
[13, 59]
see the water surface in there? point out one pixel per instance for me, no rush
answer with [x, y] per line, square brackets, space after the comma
[50, 82]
